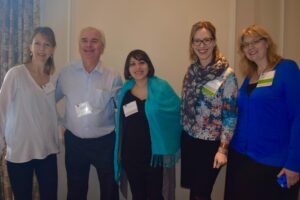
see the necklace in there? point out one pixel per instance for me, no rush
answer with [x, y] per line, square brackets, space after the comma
[262, 71]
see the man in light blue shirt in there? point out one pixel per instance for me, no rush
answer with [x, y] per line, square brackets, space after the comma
[91, 93]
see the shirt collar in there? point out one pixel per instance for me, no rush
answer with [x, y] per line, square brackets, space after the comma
[98, 68]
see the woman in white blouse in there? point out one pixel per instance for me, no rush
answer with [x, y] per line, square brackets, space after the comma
[28, 121]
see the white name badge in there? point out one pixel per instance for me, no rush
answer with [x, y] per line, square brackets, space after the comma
[130, 108]
[47, 88]
[266, 79]
[211, 87]
[83, 109]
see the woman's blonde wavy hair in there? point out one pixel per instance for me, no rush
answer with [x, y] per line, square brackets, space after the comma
[247, 66]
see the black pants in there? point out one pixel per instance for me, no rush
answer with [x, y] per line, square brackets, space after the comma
[21, 178]
[145, 182]
[197, 172]
[246, 179]
[80, 155]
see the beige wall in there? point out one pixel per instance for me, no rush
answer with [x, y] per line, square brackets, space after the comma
[291, 47]
[161, 28]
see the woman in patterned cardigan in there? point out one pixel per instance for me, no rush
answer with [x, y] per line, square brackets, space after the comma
[208, 112]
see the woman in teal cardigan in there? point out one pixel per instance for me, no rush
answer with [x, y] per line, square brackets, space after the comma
[148, 130]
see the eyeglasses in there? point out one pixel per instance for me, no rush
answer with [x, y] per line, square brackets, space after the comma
[246, 45]
[205, 41]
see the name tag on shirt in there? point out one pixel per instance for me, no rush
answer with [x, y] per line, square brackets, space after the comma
[48, 88]
[130, 108]
[211, 87]
[83, 109]
[266, 79]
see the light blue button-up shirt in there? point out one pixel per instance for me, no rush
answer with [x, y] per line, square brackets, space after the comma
[100, 88]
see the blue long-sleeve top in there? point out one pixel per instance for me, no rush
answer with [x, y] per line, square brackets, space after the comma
[268, 128]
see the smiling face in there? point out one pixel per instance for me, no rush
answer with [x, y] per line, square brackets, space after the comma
[90, 45]
[41, 49]
[138, 69]
[255, 48]
[203, 45]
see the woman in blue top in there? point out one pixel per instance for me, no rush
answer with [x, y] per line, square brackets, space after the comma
[148, 130]
[266, 143]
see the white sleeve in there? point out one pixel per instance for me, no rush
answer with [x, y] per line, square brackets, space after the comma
[7, 93]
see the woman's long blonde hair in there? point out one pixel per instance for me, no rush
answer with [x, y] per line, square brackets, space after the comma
[49, 34]
[247, 66]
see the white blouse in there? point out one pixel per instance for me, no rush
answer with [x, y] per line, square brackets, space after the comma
[28, 117]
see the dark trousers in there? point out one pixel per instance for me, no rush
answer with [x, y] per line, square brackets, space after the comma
[197, 172]
[21, 178]
[246, 179]
[80, 155]
[145, 182]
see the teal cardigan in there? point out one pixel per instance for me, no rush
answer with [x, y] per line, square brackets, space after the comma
[162, 108]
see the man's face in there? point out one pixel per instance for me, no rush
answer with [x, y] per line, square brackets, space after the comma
[90, 46]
